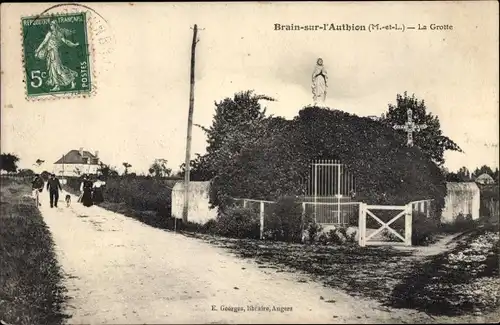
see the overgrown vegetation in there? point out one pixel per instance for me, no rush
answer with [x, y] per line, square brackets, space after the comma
[263, 157]
[430, 140]
[285, 222]
[237, 223]
[30, 277]
[8, 162]
[141, 193]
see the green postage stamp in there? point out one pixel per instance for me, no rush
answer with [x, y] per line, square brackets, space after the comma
[56, 55]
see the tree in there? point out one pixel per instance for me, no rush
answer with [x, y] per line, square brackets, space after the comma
[483, 170]
[160, 169]
[39, 162]
[234, 121]
[26, 172]
[198, 170]
[233, 130]
[8, 162]
[430, 140]
[106, 170]
[259, 157]
[462, 175]
[127, 166]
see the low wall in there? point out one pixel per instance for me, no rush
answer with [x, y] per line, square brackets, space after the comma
[199, 206]
[462, 198]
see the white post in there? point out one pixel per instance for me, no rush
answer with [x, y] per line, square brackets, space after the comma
[261, 219]
[338, 192]
[408, 225]
[244, 203]
[361, 225]
[303, 219]
[315, 189]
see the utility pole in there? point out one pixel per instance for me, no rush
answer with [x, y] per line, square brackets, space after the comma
[189, 127]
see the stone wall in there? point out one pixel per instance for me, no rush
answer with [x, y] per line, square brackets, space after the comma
[462, 198]
[199, 206]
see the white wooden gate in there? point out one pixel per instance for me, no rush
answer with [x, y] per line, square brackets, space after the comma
[366, 210]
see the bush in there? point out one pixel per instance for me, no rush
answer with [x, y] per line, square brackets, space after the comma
[207, 228]
[424, 230]
[238, 223]
[462, 223]
[139, 193]
[337, 236]
[285, 223]
[313, 229]
[272, 158]
[464, 219]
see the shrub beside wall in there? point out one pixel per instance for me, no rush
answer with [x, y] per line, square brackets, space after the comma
[285, 223]
[237, 222]
[138, 193]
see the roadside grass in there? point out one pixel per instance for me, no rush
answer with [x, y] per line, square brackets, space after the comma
[462, 280]
[30, 277]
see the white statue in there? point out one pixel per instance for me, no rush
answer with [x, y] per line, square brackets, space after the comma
[319, 83]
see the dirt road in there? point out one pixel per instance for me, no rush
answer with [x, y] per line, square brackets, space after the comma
[119, 270]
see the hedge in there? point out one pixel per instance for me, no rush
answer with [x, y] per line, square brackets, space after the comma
[274, 160]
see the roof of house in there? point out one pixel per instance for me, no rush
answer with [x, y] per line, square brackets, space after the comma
[484, 177]
[74, 157]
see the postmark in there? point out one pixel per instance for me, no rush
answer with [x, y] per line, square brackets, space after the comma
[60, 49]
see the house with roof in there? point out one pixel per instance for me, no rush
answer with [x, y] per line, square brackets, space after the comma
[77, 163]
[484, 179]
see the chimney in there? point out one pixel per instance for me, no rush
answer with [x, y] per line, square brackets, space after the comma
[97, 153]
[81, 152]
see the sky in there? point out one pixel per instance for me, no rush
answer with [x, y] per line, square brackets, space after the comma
[139, 111]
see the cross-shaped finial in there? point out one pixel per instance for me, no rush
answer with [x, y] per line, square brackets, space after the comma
[410, 127]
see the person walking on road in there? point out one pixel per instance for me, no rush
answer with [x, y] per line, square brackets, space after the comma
[53, 186]
[97, 190]
[86, 190]
[37, 186]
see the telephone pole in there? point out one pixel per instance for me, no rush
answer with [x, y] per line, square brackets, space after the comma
[189, 127]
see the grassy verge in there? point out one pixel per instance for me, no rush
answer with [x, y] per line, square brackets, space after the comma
[30, 277]
[460, 282]
[463, 280]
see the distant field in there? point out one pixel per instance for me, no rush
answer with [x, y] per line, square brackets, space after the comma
[30, 277]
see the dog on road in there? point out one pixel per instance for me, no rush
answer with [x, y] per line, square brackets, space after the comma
[68, 200]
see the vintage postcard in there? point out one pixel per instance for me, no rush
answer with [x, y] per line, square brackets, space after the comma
[249, 162]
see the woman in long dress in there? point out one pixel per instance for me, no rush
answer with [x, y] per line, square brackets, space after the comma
[319, 83]
[86, 189]
[97, 191]
[58, 74]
